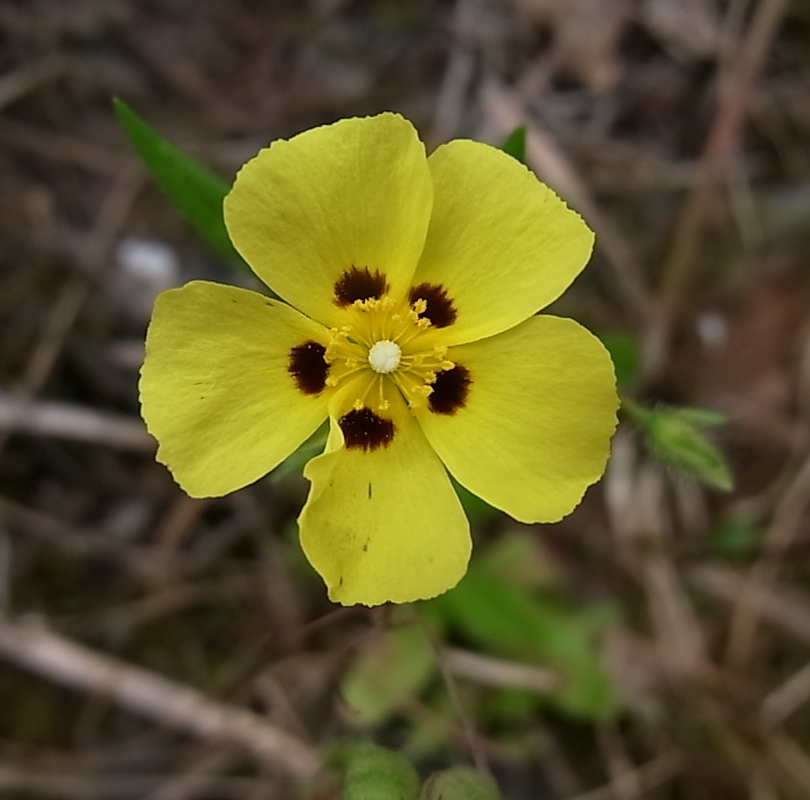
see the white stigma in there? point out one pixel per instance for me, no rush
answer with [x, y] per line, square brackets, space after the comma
[384, 356]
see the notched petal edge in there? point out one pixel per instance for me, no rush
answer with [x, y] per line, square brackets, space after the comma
[365, 430]
[308, 367]
[450, 390]
[359, 284]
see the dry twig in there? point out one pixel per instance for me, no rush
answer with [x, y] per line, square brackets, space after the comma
[504, 107]
[659, 770]
[69, 303]
[67, 421]
[34, 648]
[459, 72]
[140, 562]
[490, 671]
[787, 517]
[722, 144]
[757, 600]
[20, 82]
[81, 785]
[779, 704]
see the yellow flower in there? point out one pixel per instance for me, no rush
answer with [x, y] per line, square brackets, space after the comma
[410, 286]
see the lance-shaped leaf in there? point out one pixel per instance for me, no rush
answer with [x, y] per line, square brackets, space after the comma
[515, 144]
[195, 190]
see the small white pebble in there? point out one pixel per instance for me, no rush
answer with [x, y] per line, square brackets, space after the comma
[149, 261]
[146, 268]
[712, 328]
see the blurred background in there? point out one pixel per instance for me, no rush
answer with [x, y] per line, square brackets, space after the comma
[655, 644]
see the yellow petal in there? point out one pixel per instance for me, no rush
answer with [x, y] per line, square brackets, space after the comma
[352, 195]
[384, 524]
[535, 429]
[216, 391]
[500, 243]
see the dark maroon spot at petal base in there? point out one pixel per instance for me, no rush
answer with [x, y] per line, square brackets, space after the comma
[450, 390]
[364, 430]
[308, 367]
[440, 309]
[359, 284]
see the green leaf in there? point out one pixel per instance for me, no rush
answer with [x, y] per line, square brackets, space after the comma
[195, 191]
[623, 351]
[394, 667]
[474, 507]
[374, 773]
[736, 537]
[510, 709]
[517, 556]
[514, 621]
[460, 783]
[293, 465]
[515, 144]
[675, 437]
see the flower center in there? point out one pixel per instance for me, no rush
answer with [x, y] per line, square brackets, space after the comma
[393, 346]
[384, 356]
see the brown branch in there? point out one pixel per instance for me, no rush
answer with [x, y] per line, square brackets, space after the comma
[66, 421]
[550, 162]
[720, 148]
[55, 658]
[649, 776]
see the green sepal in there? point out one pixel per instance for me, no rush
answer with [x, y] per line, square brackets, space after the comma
[460, 783]
[195, 190]
[701, 417]
[515, 144]
[675, 437]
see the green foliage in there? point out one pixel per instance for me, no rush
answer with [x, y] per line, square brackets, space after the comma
[371, 772]
[294, 464]
[736, 538]
[460, 783]
[474, 507]
[511, 711]
[507, 607]
[398, 665]
[700, 417]
[517, 557]
[516, 622]
[623, 351]
[515, 144]
[193, 189]
[675, 437]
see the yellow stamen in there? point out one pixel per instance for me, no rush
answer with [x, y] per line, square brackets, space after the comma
[395, 344]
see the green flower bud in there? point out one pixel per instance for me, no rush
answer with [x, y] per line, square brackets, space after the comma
[460, 783]
[374, 773]
[675, 437]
